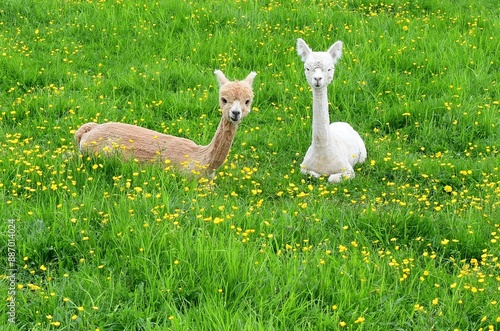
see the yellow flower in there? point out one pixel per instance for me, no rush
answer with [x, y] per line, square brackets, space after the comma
[448, 189]
[43, 268]
[342, 248]
[34, 287]
[359, 320]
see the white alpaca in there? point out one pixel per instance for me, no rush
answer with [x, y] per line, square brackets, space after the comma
[335, 147]
[134, 142]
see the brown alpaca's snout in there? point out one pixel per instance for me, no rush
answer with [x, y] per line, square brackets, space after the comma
[235, 112]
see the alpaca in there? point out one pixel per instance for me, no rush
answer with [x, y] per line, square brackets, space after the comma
[144, 145]
[335, 147]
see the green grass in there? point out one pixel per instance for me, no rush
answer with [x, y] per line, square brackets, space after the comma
[412, 243]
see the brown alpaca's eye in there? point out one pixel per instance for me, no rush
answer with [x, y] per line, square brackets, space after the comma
[247, 102]
[224, 101]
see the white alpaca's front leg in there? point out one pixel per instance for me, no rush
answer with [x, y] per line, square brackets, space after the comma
[308, 172]
[335, 178]
[344, 175]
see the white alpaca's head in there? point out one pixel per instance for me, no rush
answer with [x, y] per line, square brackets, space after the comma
[235, 98]
[319, 66]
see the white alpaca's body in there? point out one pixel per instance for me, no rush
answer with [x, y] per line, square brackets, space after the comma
[145, 145]
[335, 147]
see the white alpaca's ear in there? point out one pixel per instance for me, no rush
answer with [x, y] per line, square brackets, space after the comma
[250, 77]
[336, 50]
[302, 49]
[221, 77]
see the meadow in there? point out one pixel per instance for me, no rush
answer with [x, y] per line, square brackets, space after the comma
[411, 243]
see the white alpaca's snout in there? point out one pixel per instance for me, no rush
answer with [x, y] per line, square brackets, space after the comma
[318, 77]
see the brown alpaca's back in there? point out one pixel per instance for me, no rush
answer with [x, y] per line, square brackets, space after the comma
[133, 142]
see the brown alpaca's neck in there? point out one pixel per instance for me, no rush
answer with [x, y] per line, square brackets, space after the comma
[218, 149]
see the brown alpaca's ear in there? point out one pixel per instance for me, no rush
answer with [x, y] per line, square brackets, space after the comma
[221, 78]
[250, 77]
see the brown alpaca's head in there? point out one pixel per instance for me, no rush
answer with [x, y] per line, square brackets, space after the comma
[235, 98]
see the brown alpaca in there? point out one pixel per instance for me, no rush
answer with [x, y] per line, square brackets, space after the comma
[134, 142]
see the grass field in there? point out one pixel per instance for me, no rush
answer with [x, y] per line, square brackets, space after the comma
[411, 243]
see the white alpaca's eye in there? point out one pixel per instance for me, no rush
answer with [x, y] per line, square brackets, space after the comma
[224, 101]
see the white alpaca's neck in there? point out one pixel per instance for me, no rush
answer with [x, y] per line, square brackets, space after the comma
[216, 152]
[321, 118]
